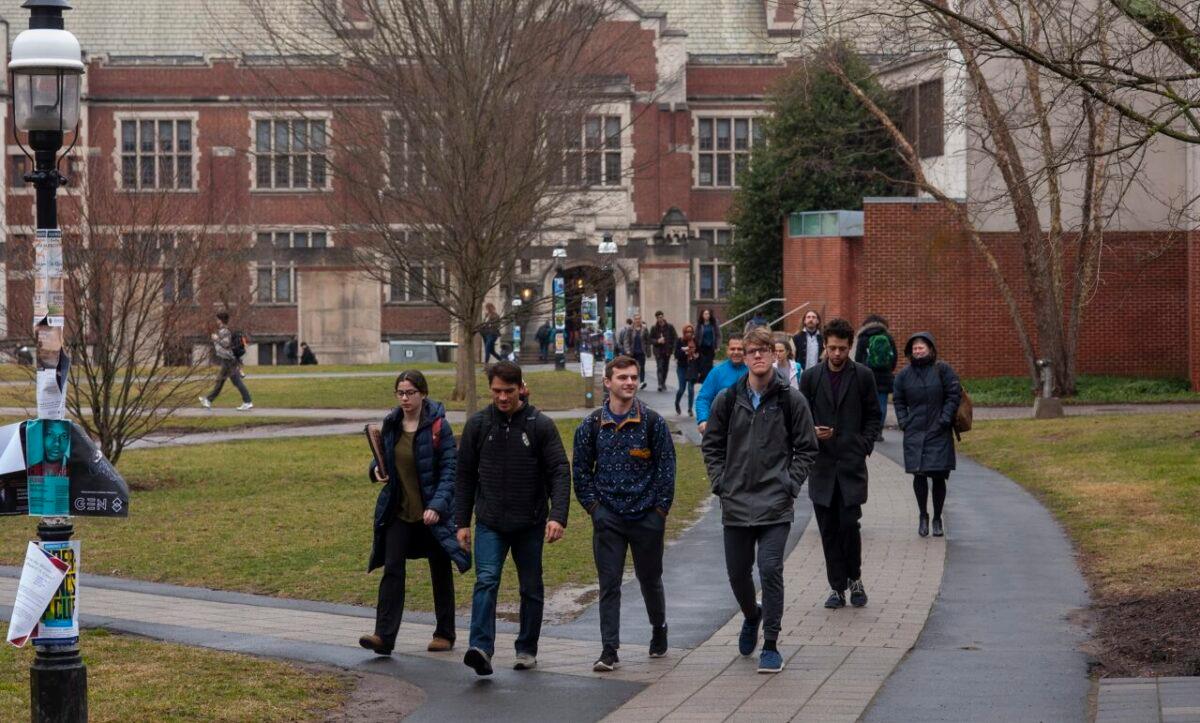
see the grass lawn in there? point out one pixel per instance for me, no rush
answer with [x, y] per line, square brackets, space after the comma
[1015, 391]
[134, 679]
[1127, 489]
[290, 518]
[551, 390]
[216, 423]
[394, 368]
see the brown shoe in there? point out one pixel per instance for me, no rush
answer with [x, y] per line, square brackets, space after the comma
[439, 645]
[374, 643]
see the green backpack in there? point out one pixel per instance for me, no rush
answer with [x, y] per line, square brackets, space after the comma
[881, 354]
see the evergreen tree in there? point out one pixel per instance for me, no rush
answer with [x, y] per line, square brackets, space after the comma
[824, 152]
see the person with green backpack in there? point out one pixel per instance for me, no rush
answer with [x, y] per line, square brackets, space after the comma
[875, 348]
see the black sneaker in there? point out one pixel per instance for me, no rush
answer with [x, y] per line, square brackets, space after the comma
[658, 642]
[835, 600]
[858, 594]
[480, 661]
[607, 662]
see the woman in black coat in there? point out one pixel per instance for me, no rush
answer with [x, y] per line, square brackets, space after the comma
[926, 395]
[414, 516]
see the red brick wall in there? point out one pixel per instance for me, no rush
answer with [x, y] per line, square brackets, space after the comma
[914, 267]
[1194, 308]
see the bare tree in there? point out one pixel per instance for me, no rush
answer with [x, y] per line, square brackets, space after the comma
[145, 271]
[1054, 147]
[475, 137]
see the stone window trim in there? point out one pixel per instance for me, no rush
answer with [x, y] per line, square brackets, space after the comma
[297, 237]
[603, 153]
[154, 116]
[714, 280]
[711, 121]
[324, 116]
[721, 234]
[180, 285]
[278, 277]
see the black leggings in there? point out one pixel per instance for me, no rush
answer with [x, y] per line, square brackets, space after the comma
[921, 488]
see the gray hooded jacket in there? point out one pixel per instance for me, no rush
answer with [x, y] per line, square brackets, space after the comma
[754, 465]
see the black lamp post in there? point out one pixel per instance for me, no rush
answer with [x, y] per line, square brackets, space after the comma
[45, 70]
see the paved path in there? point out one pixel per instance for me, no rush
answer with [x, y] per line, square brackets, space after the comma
[1148, 700]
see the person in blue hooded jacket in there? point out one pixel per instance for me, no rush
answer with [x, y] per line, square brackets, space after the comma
[414, 516]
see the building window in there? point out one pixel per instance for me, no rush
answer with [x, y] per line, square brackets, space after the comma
[156, 154]
[289, 153]
[276, 284]
[416, 283]
[293, 239]
[723, 149]
[720, 236]
[716, 281]
[18, 166]
[922, 118]
[592, 152]
[405, 145]
[178, 286]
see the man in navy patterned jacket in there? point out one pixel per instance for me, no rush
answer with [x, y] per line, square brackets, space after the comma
[625, 479]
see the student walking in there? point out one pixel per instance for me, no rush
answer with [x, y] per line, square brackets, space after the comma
[785, 361]
[662, 337]
[809, 343]
[625, 478]
[514, 476]
[927, 394]
[758, 448]
[637, 343]
[414, 515]
[722, 376]
[708, 338]
[490, 331]
[228, 348]
[875, 347]
[687, 367]
[842, 396]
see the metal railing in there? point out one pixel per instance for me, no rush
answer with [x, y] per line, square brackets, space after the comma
[727, 322]
[793, 311]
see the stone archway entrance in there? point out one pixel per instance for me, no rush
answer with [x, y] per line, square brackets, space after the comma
[584, 281]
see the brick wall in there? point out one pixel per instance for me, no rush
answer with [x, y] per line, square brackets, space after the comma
[1194, 307]
[914, 267]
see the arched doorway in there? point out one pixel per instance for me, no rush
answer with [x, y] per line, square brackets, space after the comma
[588, 281]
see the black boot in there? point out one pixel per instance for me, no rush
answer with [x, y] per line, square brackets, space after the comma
[938, 530]
[923, 526]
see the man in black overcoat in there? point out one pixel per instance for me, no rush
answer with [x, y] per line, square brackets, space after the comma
[845, 409]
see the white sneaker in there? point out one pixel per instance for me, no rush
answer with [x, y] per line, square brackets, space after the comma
[205, 403]
[246, 407]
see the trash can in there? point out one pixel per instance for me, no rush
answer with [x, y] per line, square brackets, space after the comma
[447, 351]
[407, 352]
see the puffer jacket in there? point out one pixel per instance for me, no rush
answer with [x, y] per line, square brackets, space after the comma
[883, 377]
[436, 469]
[754, 466]
[926, 396]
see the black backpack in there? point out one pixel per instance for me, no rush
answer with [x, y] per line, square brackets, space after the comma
[727, 397]
[237, 345]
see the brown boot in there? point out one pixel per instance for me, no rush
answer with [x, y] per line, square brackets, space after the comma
[375, 643]
[439, 645]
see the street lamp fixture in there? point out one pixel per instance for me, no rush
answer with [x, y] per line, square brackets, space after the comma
[559, 253]
[607, 245]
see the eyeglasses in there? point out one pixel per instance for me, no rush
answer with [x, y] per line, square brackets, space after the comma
[406, 393]
[757, 351]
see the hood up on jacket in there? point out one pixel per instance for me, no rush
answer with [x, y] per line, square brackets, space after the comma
[866, 331]
[928, 340]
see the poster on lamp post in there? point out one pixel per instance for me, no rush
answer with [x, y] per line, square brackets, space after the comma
[589, 310]
[560, 317]
[48, 296]
[60, 622]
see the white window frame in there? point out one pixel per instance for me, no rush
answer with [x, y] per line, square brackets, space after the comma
[154, 115]
[622, 113]
[753, 115]
[713, 265]
[292, 231]
[315, 115]
[275, 268]
[195, 284]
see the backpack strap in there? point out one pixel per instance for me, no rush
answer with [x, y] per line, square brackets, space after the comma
[437, 434]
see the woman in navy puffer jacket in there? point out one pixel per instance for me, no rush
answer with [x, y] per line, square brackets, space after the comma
[414, 516]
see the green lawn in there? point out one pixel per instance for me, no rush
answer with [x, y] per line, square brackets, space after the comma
[1126, 487]
[134, 679]
[1016, 391]
[255, 371]
[290, 518]
[218, 423]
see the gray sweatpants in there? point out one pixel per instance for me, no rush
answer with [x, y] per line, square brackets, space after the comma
[230, 369]
[740, 556]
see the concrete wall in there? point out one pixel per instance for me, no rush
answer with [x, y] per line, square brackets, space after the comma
[340, 316]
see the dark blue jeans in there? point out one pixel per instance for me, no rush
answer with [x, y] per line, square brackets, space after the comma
[883, 397]
[491, 547]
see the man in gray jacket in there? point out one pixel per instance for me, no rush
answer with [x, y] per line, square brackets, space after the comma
[758, 447]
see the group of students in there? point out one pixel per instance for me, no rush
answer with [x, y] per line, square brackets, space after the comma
[764, 433]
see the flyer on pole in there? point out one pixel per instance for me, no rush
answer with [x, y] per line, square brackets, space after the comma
[59, 624]
[41, 577]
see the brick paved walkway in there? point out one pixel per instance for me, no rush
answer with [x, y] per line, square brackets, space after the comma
[836, 659]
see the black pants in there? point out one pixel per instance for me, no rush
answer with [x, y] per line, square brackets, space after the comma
[740, 556]
[232, 371]
[662, 365]
[841, 540]
[921, 490]
[612, 535]
[401, 536]
[641, 361]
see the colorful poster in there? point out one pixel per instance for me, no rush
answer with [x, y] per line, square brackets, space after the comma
[42, 576]
[60, 623]
[47, 446]
[95, 488]
[589, 310]
[560, 303]
[48, 298]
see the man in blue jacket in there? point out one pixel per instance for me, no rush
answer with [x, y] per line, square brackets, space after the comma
[625, 478]
[722, 376]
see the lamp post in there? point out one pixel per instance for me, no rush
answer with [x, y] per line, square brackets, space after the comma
[46, 69]
[559, 287]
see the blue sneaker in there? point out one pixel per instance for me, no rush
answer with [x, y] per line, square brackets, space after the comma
[770, 661]
[748, 640]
